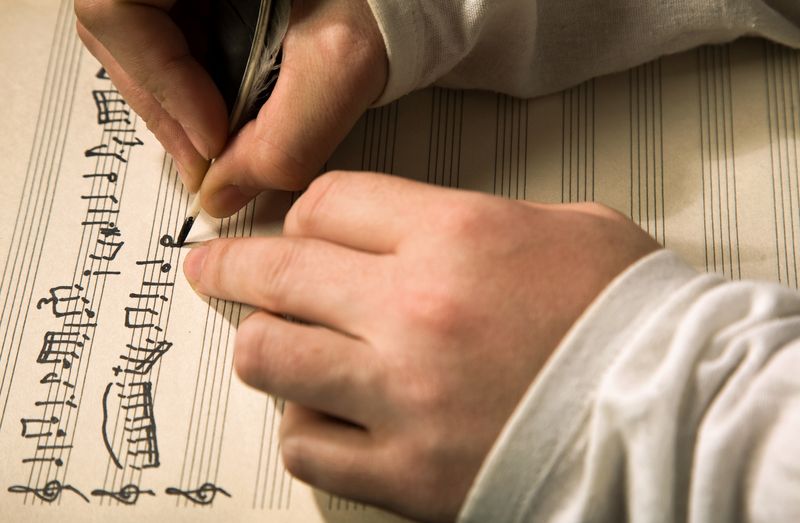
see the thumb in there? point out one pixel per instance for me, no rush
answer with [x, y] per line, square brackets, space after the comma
[334, 67]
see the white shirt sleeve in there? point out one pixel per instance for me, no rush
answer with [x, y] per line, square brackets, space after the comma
[676, 397]
[530, 47]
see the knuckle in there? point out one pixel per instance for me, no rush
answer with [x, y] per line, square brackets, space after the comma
[605, 212]
[156, 122]
[249, 338]
[276, 274]
[435, 308]
[341, 44]
[310, 209]
[212, 276]
[425, 395]
[462, 219]
[91, 13]
[294, 456]
[273, 164]
[294, 453]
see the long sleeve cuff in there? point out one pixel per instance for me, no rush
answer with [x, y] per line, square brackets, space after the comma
[528, 48]
[674, 397]
[401, 29]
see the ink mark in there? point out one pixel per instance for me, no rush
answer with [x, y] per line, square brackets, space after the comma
[167, 241]
[146, 357]
[62, 295]
[140, 425]
[57, 461]
[112, 177]
[203, 495]
[60, 347]
[105, 429]
[50, 377]
[49, 493]
[129, 494]
[39, 425]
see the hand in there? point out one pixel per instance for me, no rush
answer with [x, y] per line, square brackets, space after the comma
[430, 312]
[334, 67]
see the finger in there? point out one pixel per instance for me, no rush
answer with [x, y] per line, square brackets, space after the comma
[152, 50]
[309, 365]
[327, 80]
[309, 279]
[365, 211]
[191, 165]
[330, 455]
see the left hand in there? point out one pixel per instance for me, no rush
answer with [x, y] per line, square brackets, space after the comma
[430, 313]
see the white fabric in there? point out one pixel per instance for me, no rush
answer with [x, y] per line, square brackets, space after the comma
[677, 396]
[530, 47]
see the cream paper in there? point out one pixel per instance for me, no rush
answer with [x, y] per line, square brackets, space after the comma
[117, 396]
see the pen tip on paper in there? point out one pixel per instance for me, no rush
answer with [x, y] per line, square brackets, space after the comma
[187, 227]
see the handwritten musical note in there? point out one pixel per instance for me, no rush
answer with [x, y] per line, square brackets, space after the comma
[111, 107]
[143, 365]
[59, 347]
[140, 425]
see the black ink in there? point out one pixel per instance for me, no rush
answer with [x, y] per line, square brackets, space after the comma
[129, 494]
[49, 493]
[143, 365]
[112, 177]
[148, 297]
[56, 461]
[98, 222]
[168, 241]
[87, 272]
[50, 377]
[101, 197]
[26, 422]
[203, 495]
[62, 295]
[131, 314]
[115, 248]
[157, 284]
[110, 231]
[105, 429]
[59, 346]
[101, 150]
[150, 262]
[111, 108]
[140, 424]
[66, 403]
[128, 143]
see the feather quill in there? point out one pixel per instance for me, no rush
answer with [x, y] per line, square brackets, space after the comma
[265, 59]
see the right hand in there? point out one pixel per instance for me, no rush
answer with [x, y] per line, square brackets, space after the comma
[334, 67]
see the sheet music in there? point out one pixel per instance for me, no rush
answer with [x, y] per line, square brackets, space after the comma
[117, 395]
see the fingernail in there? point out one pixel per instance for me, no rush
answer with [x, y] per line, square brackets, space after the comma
[193, 266]
[229, 199]
[198, 142]
[182, 172]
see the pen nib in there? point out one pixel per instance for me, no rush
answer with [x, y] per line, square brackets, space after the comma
[187, 226]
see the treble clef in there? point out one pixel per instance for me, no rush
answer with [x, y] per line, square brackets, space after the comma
[49, 493]
[202, 495]
[129, 494]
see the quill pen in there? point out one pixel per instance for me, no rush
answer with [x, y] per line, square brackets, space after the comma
[244, 61]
